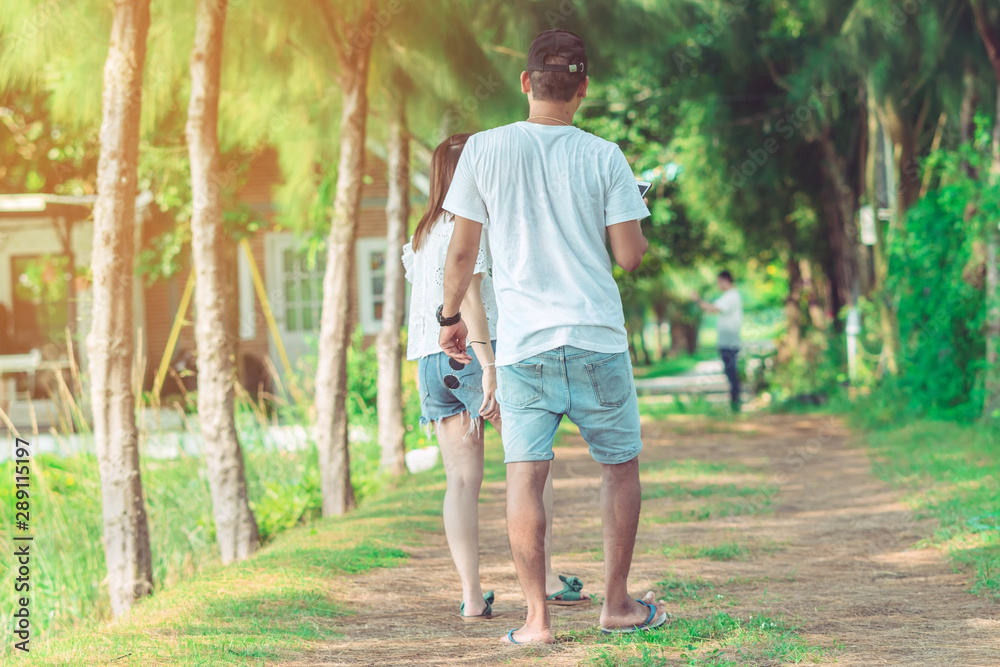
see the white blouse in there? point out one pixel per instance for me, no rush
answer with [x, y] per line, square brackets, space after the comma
[425, 271]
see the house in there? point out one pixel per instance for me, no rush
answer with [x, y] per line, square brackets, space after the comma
[45, 247]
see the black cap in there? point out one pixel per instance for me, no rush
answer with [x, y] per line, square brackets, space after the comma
[557, 43]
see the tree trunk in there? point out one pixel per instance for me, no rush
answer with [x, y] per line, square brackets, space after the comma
[660, 313]
[641, 349]
[991, 405]
[334, 337]
[817, 315]
[970, 101]
[793, 313]
[904, 138]
[990, 34]
[678, 338]
[832, 292]
[839, 268]
[391, 430]
[110, 344]
[235, 527]
[888, 321]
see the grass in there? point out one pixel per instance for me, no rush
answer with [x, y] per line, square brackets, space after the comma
[662, 407]
[275, 606]
[675, 587]
[691, 468]
[719, 639]
[712, 497]
[724, 551]
[952, 472]
[67, 585]
[676, 365]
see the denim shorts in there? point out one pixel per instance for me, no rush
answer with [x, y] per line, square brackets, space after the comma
[594, 389]
[437, 402]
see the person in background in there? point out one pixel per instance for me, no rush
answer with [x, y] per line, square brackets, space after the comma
[551, 196]
[729, 307]
[456, 397]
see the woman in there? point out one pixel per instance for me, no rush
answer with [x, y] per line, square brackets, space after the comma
[456, 399]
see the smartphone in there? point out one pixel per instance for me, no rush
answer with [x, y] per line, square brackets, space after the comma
[644, 187]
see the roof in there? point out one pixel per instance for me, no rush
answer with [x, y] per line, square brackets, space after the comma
[24, 205]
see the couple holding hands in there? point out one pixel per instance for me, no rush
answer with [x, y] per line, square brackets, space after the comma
[512, 280]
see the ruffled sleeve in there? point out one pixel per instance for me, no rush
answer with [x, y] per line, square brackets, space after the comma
[408, 260]
[484, 258]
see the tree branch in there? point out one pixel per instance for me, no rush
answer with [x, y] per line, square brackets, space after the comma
[990, 35]
[336, 32]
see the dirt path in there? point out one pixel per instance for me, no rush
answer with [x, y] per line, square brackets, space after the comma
[831, 550]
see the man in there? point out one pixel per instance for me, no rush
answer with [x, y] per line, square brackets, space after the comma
[550, 195]
[729, 307]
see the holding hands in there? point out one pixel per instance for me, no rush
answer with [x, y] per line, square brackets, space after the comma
[453, 343]
[490, 408]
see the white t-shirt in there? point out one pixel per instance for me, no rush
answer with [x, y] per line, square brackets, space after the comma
[730, 307]
[425, 271]
[546, 195]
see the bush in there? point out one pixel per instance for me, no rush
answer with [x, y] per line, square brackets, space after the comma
[940, 316]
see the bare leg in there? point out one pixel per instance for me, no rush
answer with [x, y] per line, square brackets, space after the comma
[620, 503]
[463, 466]
[526, 528]
[552, 582]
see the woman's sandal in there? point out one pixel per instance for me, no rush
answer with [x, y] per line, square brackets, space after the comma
[487, 613]
[570, 595]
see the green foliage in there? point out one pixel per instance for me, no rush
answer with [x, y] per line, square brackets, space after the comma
[818, 373]
[941, 304]
[41, 155]
[362, 374]
[280, 504]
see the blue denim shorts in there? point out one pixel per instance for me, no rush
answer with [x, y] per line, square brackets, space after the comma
[594, 389]
[437, 402]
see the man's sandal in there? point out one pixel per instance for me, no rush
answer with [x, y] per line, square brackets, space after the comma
[509, 641]
[487, 613]
[570, 595]
[653, 621]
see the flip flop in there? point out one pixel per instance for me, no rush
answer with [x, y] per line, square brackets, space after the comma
[570, 595]
[653, 621]
[487, 614]
[537, 645]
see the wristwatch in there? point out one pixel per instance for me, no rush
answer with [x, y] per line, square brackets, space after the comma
[448, 321]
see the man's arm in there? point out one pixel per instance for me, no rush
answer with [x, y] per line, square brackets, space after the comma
[707, 306]
[628, 244]
[458, 269]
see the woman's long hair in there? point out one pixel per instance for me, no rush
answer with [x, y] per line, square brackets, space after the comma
[443, 164]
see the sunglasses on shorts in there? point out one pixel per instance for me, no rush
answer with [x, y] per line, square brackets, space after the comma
[451, 380]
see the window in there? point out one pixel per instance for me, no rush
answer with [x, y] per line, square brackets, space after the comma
[371, 258]
[302, 290]
[40, 301]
